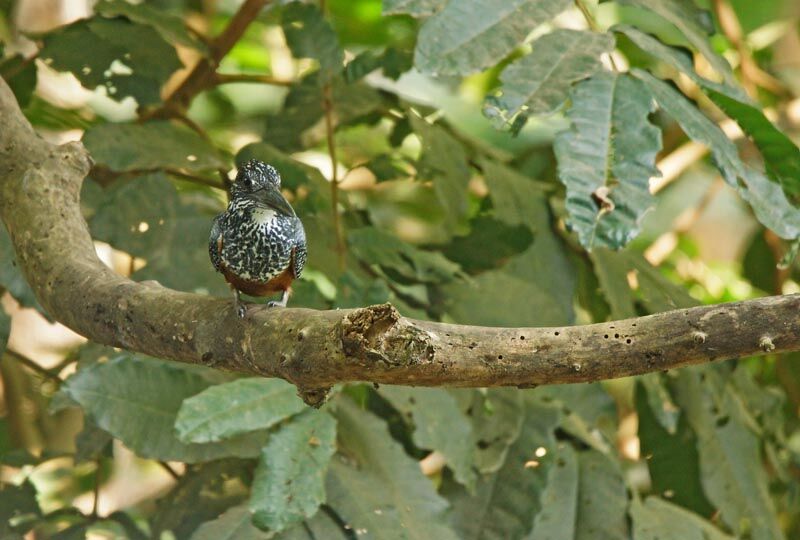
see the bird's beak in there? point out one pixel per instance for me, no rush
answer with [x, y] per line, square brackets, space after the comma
[274, 199]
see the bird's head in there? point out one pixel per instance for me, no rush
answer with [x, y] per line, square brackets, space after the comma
[261, 183]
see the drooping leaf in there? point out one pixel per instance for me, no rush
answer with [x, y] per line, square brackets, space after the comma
[769, 204]
[438, 425]
[690, 21]
[781, 155]
[154, 145]
[415, 8]
[558, 517]
[602, 499]
[469, 35]
[506, 241]
[376, 488]
[310, 35]
[658, 519]
[672, 461]
[539, 82]
[226, 410]
[505, 502]
[289, 483]
[661, 402]
[445, 160]
[91, 442]
[678, 58]
[170, 26]
[128, 59]
[612, 272]
[730, 463]
[607, 158]
[374, 246]
[137, 400]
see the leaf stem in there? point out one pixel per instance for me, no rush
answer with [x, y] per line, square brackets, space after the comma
[33, 366]
[590, 20]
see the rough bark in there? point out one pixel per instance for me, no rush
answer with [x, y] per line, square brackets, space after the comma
[39, 188]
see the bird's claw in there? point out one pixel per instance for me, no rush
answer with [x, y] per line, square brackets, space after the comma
[241, 310]
[275, 303]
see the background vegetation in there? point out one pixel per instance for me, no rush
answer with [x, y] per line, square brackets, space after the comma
[481, 162]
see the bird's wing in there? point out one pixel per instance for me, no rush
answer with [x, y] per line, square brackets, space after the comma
[215, 244]
[300, 250]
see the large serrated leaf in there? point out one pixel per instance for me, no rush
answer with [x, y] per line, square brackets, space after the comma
[470, 35]
[658, 519]
[137, 399]
[504, 503]
[689, 20]
[229, 409]
[310, 35]
[607, 158]
[769, 203]
[539, 82]
[127, 58]
[731, 469]
[438, 425]
[376, 488]
[289, 483]
[154, 145]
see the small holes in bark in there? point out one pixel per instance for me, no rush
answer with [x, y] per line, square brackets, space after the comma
[557, 333]
[521, 337]
[628, 341]
[499, 356]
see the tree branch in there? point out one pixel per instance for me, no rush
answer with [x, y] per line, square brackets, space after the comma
[39, 188]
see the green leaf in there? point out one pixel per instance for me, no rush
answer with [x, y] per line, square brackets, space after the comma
[225, 410]
[602, 500]
[128, 59]
[16, 502]
[438, 425]
[506, 241]
[289, 483]
[154, 145]
[5, 330]
[137, 400]
[21, 75]
[660, 401]
[144, 216]
[470, 35]
[769, 203]
[607, 158]
[558, 517]
[781, 155]
[658, 519]
[731, 472]
[415, 8]
[91, 442]
[688, 19]
[673, 461]
[678, 58]
[235, 524]
[539, 82]
[612, 275]
[445, 161]
[373, 246]
[310, 35]
[378, 490]
[170, 26]
[504, 503]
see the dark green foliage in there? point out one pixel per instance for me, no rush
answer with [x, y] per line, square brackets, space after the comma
[494, 160]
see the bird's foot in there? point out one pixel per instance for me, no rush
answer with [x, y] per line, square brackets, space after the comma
[276, 303]
[241, 310]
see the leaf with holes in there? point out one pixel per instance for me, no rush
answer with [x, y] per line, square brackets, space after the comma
[606, 159]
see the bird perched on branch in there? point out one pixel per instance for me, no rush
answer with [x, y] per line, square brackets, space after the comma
[258, 243]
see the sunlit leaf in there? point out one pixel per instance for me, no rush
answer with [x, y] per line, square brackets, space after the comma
[607, 158]
[225, 410]
[469, 35]
[289, 483]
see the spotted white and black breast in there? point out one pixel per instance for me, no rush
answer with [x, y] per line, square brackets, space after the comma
[258, 241]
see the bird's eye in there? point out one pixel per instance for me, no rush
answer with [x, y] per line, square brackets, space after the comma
[246, 182]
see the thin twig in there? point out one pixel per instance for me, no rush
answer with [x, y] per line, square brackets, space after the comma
[172, 472]
[96, 491]
[594, 27]
[327, 103]
[27, 362]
